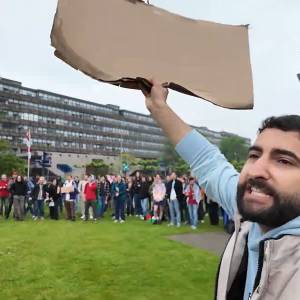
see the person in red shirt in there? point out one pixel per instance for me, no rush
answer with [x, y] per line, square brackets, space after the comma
[90, 192]
[4, 194]
[192, 192]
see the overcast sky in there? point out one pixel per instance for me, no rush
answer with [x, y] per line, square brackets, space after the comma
[26, 56]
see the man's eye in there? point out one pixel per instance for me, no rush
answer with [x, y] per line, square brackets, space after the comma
[253, 156]
[284, 161]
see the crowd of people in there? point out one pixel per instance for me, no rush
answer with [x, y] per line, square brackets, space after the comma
[176, 200]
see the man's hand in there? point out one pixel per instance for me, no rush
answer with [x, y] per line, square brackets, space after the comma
[157, 99]
[156, 102]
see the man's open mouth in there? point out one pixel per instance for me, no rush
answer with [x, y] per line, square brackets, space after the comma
[257, 193]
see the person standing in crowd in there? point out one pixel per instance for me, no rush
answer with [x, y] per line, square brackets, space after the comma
[10, 198]
[158, 195]
[136, 192]
[113, 200]
[174, 194]
[19, 191]
[4, 195]
[108, 192]
[213, 211]
[29, 207]
[60, 182]
[90, 192]
[166, 215]
[144, 197]
[39, 194]
[201, 207]
[69, 192]
[77, 204]
[184, 212]
[119, 192]
[129, 198]
[54, 195]
[192, 192]
[81, 187]
[150, 182]
[102, 194]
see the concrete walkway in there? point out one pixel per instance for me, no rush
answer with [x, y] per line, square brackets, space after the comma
[211, 241]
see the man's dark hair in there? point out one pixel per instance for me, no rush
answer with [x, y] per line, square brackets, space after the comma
[284, 123]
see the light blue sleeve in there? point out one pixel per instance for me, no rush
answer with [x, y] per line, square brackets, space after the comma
[214, 173]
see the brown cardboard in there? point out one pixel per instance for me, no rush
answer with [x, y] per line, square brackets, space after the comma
[116, 41]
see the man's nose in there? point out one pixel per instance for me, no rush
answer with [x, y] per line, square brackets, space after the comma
[260, 168]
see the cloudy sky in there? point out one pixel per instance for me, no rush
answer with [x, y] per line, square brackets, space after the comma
[26, 56]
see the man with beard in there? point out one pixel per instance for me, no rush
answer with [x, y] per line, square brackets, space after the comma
[262, 258]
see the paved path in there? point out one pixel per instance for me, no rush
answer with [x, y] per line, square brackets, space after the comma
[212, 241]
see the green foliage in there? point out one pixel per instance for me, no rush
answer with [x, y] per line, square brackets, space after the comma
[149, 165]
[238, 165]
[234, 148]
[4, 146]
[97, 167]
[128, 158]
[9, 162]
[181, 167]
[173, 161]
[64, 261]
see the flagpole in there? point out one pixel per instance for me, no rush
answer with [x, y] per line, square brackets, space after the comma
[28, 163]
[28, 143]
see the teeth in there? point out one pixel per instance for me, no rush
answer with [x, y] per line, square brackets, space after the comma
[256, 190]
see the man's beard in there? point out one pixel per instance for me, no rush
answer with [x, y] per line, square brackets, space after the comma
[285, 208]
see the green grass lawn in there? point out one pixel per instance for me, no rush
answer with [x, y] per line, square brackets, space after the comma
[103, 260]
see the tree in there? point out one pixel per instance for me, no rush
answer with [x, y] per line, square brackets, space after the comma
[149, 165]
[9, 162]
[234, 148]
[97, 167]
[173, 161]
[128, 158]
[124, 159]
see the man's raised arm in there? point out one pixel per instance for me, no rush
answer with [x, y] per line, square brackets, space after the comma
[156, 102]
[218, 178]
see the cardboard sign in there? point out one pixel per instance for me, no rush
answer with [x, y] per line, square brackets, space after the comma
[124, 42]
[67, 189]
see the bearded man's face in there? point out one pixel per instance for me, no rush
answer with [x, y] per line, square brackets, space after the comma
[269, 186]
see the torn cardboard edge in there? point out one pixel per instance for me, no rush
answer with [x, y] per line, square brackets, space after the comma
[68, 55]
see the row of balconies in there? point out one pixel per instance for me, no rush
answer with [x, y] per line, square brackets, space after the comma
[73, 108]
[124, 143]
[134, 135]
[19, 108]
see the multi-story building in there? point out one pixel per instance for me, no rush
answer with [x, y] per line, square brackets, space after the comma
[73, 128]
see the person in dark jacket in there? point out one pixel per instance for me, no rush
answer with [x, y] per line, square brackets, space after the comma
[144, 197]
[39, 194]
[136, 190]
[19, 190]
[54, 196]
[28, 199]
[119, 192]
[129, 199]
[102, 195]
[174, 195]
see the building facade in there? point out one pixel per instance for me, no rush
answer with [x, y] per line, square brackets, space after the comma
[65, 125]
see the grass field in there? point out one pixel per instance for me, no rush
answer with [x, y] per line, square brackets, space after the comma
[76, 260]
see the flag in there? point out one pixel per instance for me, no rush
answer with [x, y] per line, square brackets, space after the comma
[28, 142]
